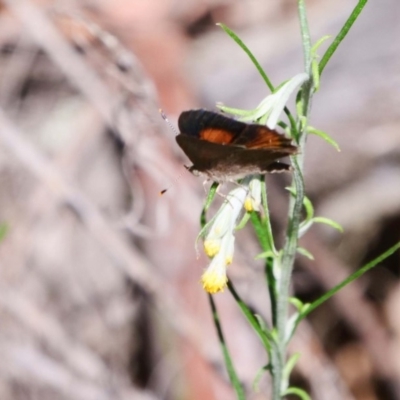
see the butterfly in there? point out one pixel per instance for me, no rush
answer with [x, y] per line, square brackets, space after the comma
[223, 149]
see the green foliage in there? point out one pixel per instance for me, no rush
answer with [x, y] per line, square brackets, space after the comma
[324, 136]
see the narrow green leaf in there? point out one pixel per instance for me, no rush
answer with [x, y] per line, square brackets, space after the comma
[263, 111]
[328, 221]
[324, 136]
[348, 280]
[285, 127]
[304, 227]
[315, 47]
[210, 197]
[298, 392]
[291, 190]
[228, 360]
[303, 122]
[314, 62]
[264, 334]
[289, 368]
[300, 306]
[315, 74]
[249, 53]
[341, 35]
[258, 377]
[296, 302]
[261, 322]
[261, 72]
[259, 113]
[290, 328]
[236, 111]
[243, 222]
[305, 253]
[308, 207]
[260, 231]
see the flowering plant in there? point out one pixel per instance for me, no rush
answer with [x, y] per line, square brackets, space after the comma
[250, 199]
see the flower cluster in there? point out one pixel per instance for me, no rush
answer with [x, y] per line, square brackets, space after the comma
[219, 241]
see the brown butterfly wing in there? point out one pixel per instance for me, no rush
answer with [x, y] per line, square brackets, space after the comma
[217, 159]
[204, 155]
[222, 147]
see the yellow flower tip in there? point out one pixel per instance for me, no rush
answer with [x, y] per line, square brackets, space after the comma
[248, 205]
[214, 281]
[212, 247]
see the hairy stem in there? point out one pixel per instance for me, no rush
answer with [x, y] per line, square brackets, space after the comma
[295, 208]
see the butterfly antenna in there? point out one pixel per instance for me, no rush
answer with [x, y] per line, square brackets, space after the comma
[165, 118]
[172, 127]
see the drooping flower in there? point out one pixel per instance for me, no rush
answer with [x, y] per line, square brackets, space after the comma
[214, 278]
[220, 239]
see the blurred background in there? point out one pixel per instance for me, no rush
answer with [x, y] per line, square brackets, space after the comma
[99, 276]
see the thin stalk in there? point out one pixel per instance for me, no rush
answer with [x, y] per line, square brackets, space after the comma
[295, 208]
[228, 360]
[305, 36]
[289, 253]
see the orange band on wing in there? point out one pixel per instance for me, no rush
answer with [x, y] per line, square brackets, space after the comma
[219, 136]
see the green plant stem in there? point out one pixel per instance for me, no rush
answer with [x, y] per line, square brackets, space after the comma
[295, 208]
[305, 36]
[282, 305]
